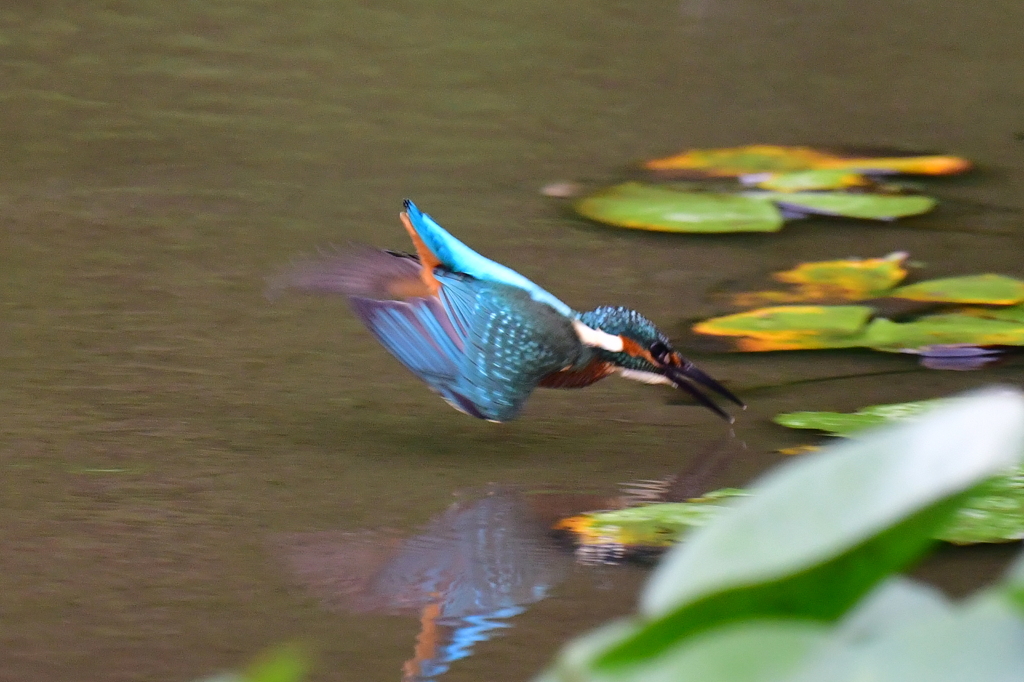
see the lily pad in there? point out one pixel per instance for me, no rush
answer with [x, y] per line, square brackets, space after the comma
[664, 209]
[996, 514]
[792, 327]
[993, 516]
[864, 205]
[808, 180]
[852, 279]
[946, 329]
[640, 530]
[849, 423]
[841, 326]
[1014, 313]
[983, 289]
[760, 158]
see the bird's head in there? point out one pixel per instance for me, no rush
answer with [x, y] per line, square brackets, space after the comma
[647, 355]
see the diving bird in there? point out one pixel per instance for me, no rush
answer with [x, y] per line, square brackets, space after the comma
[481, 335]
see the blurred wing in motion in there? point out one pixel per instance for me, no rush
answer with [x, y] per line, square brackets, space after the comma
[355, 271]
[482, 346]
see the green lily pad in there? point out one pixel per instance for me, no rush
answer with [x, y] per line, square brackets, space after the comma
[848, 423]
[664, 209]
[820, 327]
[864, 205]
[645, 527]
[808, 180]
[1013, 313]
[996, 514]
[984, 289]
[931, 330]
[792, 327]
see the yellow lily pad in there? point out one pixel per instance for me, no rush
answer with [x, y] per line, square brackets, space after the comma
[792, 327]
[852, 279]
[985, 289]
[760, 158]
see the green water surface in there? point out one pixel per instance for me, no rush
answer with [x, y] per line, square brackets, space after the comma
[162, 423]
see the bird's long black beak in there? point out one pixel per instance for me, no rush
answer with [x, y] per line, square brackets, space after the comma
[686, 374]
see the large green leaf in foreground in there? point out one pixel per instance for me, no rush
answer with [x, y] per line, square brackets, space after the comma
[664, 209]
[812, 539]
[994, 514]
[901, 633]
[817, 512]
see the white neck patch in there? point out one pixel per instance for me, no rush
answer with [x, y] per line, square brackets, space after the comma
[645, 377]
[597, 338]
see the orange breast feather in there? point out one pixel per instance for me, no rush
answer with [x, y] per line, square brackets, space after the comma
[567, 378]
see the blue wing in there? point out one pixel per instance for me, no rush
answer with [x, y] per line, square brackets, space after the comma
[483, 346]
[422, 335]
[457, 257]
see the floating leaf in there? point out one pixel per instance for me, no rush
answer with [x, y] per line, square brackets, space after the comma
[665, 209]
[852, 279]
[642, 529]
[795, 582]
[848, 423]
[819, 327]
[792, 327]
[996, 514]
[947, 329]
[802, 181]
[760, 158]
[864, 205]
[1014, 313]
[799, 449]
[984, 289]
[819, 532]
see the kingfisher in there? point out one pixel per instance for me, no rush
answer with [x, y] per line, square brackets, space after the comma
[483, 336]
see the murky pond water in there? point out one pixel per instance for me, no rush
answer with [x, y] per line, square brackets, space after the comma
[185, 465]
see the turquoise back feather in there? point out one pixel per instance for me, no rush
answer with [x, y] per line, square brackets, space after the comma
[457, 257]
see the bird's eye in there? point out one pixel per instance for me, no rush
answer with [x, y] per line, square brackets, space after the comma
[659, 351]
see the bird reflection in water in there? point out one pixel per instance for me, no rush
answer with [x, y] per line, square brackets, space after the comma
[473, 568]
